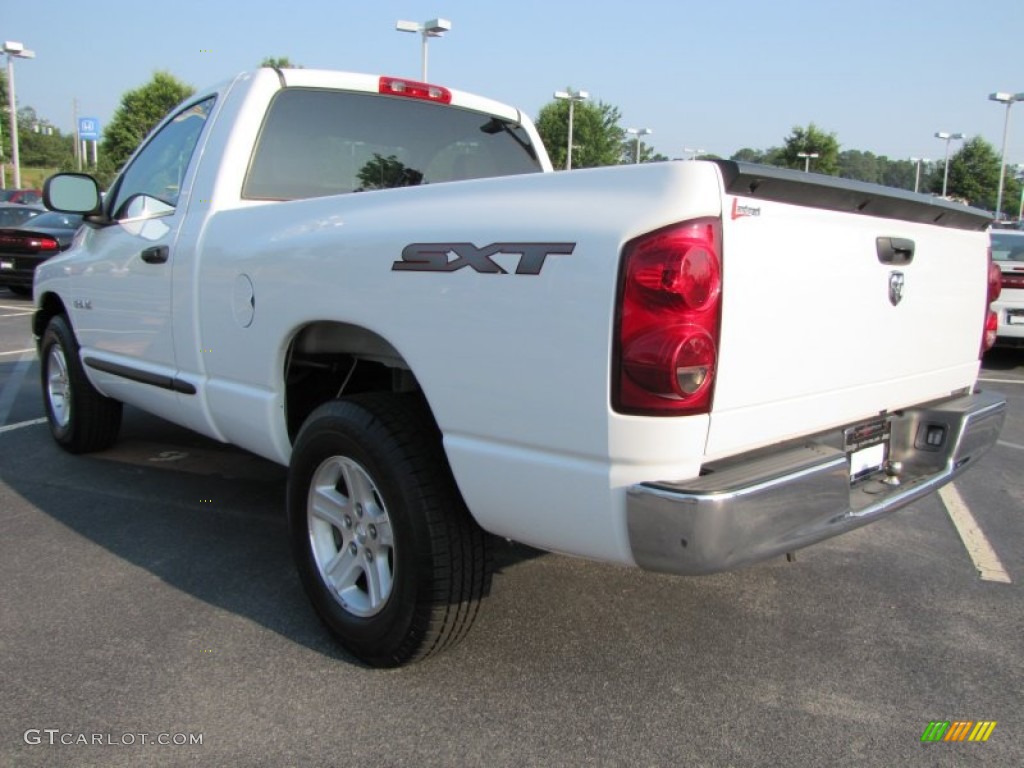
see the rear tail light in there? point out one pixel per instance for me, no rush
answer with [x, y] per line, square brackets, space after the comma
[995, 280]
[666, 345]
[995, 287]
[991, 329]
[43, 244]
[29, 243]
[411, 89]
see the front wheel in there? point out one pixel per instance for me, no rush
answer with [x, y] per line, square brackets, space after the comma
[389, 555]
[81, 419]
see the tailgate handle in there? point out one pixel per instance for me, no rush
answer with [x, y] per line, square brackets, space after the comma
[156, 255]
[895, 250]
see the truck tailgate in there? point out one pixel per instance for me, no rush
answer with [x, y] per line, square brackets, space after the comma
[840, 301]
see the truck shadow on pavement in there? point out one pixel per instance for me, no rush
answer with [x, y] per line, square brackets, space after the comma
[1003, 359]
[216, 531]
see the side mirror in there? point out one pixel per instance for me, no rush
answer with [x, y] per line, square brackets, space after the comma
[72, 193]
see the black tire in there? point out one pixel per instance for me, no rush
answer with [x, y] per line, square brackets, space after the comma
[19, 290]
[81, 419]
[384, 449]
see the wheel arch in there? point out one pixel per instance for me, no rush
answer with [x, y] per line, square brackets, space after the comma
[326, 359]
[50, 305]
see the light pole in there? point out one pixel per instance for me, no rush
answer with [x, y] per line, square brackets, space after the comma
[1007, 99]
[428, 29]
[572, 97]
[947, 137]
[13, 51]
[807, 159]
[638, 132]
[693, 152]
[917, 176]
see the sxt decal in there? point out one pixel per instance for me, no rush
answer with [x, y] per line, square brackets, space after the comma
[449, 257]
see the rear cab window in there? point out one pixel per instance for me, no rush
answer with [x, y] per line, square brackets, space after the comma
[317, 142]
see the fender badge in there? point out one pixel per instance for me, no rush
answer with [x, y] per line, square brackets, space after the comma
[896, 281]
[739, 211]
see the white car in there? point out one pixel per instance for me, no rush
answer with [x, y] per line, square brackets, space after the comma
[1008, 253]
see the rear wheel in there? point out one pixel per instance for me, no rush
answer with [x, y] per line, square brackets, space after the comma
[389, 555]
[19, 290]
[81, 419]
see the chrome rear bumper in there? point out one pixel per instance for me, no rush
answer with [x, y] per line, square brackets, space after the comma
[760, 505]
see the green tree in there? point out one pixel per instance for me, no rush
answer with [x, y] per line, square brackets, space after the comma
[40, 144]
[1013, 195]
[279, 62]
[770, 156]
[647, 153]
[812, 139]
[973, 174]
[5, 146]
[862, 166]
[898, 173]
[387, 172]
[903, 173]
[139, 112]
[597, 137]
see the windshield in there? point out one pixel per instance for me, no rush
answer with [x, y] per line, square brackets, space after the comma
[55, 220]
[12, 217]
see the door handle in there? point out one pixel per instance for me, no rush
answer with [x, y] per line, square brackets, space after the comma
[156, 255]
[897, 251]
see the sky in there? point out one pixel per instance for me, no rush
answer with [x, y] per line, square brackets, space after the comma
[715, 75]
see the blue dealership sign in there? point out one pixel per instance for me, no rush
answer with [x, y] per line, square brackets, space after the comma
[88, 129]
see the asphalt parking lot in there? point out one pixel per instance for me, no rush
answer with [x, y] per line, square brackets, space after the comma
[150, 615]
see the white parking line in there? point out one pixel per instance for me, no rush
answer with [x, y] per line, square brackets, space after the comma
[22, 424]
[16, 314]
[19, 307]
[985, 559]
[1009, 445]
[17, 351]
[10, 390]
[1002, 381]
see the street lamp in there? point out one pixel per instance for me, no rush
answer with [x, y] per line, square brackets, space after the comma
[428, 29]
[1007, 99]
[14, 51]
[638, 132]
[693, 152]
[572, 97]
[917, 176]
[807, 159]
[947, 137]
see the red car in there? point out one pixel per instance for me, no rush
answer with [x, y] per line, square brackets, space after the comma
[22, 196]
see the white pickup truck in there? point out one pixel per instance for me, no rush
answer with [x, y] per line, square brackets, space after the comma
[682, 366]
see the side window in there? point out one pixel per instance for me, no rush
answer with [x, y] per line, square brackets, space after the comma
[159, 169]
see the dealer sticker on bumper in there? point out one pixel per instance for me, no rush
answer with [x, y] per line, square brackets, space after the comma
[867, 446]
